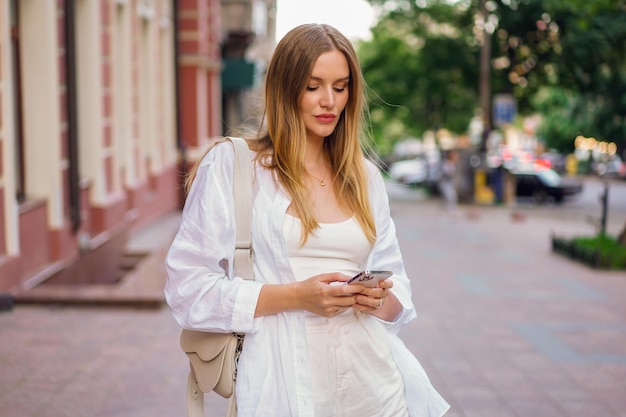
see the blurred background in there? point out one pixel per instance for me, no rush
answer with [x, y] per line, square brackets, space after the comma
[500, 126]
[524, 99]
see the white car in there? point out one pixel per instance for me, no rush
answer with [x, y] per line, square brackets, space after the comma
[414, 171]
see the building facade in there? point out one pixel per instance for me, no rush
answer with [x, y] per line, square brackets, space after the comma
[103, 105]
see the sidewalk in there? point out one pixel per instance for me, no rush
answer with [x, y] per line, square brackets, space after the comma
[505, 328]
[142, 274]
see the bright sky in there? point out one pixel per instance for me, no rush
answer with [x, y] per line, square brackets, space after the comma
[351, 17]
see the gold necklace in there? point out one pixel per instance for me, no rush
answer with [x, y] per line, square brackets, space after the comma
[322, 183]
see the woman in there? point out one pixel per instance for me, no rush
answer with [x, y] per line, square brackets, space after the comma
[320, 214]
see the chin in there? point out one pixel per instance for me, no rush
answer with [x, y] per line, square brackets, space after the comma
[325, 133]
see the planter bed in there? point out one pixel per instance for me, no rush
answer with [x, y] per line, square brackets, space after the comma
[601, 251]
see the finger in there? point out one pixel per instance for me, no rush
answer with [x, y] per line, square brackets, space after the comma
[362, 308]
[351, 289]
[330, 277]
[368, 302]
[373, 302]
[375, 292]
[387, 283]
[344, 301]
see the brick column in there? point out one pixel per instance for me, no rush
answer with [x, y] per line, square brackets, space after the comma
[199, 73]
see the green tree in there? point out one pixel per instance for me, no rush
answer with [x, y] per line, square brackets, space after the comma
[576, 48]
[422, 60]
[421, 67]
[592, 62]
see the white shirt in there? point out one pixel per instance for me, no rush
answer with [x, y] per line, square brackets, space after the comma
[273, 376]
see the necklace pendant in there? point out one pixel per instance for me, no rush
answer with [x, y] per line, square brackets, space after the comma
[322, 183]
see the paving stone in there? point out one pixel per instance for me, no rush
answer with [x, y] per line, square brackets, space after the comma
[505, 328]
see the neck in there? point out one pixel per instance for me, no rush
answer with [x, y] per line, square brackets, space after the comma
[315, 162]
[314, 158]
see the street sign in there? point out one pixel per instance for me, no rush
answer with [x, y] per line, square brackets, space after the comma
[504, 109]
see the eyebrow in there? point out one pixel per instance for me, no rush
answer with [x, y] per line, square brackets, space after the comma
[336, 81]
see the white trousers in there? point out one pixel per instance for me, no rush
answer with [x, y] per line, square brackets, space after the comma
[354, 374]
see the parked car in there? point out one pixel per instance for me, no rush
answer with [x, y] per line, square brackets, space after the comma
[553, 160]
[541, 184]
[415, 171]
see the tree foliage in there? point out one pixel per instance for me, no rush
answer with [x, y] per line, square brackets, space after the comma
[574, 50]
[566, 59]
[420, 70]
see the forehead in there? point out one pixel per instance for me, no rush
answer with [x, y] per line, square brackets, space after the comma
[331, 65]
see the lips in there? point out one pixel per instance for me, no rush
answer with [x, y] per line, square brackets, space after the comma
[325, 118]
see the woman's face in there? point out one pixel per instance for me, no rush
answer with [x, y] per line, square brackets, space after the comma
[326, 95]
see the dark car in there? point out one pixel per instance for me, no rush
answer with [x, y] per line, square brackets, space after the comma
[540, 184]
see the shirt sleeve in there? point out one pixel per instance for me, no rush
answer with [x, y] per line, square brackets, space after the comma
[201, 288]
[386, 254]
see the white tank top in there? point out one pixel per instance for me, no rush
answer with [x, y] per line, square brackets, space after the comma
[334, 247]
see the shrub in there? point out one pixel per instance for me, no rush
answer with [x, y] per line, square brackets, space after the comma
[601, 251]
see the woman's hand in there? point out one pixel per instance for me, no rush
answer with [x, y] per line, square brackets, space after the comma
[317, 295]
[378, 301]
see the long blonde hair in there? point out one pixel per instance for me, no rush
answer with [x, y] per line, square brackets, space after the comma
[281, 145]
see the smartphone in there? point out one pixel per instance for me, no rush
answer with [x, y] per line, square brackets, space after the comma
[370, 278]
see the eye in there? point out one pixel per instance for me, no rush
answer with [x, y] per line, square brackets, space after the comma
[340, 87]
[311, 88]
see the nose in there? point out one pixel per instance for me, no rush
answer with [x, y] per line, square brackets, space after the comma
[328, 98]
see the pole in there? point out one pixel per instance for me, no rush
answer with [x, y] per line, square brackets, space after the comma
[604, 199]
[481, 192]
[485, 76]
